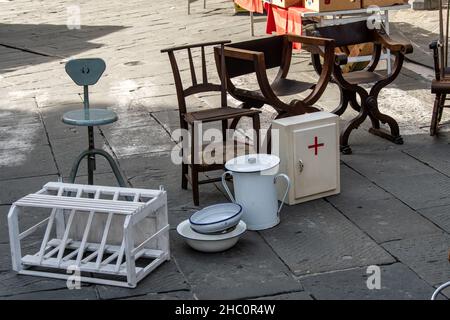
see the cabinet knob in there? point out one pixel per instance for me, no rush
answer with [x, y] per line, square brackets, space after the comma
[300, 165]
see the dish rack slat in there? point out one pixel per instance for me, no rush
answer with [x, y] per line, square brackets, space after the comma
[85, 232]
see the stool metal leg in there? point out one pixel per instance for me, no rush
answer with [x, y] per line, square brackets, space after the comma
[91, 156]
[93, 152]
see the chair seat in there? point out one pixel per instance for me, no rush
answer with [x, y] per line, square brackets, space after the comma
[361, 77]
[289, 87]
[217, 114]
[219, 152]
[89, 117]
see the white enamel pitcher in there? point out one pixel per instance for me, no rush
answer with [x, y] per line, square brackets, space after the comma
[254, 179]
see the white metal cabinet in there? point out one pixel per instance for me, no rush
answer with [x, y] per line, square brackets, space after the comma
[308, 146]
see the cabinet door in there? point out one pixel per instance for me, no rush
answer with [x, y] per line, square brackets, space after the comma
[315, 159]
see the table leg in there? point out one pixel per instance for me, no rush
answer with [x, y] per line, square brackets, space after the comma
[388, 52]
[252, 24]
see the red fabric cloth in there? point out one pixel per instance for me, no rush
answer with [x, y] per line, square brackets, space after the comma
[251, 5]
[282, 21]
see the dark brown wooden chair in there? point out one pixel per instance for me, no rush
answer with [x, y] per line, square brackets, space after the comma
[440, 86]
[259, 55]
[351, 83]
[197, 157]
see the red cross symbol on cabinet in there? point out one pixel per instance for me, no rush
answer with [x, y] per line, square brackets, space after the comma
[316, 146]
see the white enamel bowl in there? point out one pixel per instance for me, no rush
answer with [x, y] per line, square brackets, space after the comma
[216, 218]
[210, 242]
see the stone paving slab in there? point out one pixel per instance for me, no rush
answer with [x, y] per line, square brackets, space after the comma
[434, 189]
[137, 140]
[384, 220]
[439, 215]
[433, 155]
[5, 258]
[27, 219]
[177, 295]
[18, 188]
[356, 188]
[248, 270]
[425, 255]
[14, 284]
[302, 295]
[85, 293]
[398, 282]
[386, 165]
[152, 170]
[21, 163]
[165, 278]
[67, 150]
[22, 135]
[314, 237]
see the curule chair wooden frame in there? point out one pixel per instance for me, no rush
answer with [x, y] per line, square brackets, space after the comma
[259, 55]
[440, 86]
[351, 83]
[191, 120]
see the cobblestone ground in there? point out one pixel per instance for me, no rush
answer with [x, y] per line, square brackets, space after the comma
[393, 210]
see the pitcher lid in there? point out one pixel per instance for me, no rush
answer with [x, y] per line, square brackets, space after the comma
[252, 163]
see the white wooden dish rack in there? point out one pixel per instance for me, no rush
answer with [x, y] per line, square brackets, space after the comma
[114, 236]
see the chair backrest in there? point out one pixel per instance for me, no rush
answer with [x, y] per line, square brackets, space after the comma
[85, 72]
[196, 87]
[272, 47]
[346, 34]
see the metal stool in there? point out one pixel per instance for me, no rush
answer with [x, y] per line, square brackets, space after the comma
[86, 72]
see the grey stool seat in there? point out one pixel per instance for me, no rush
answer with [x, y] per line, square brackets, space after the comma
[89, 117]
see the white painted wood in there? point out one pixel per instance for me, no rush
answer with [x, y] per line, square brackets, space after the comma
[149, 215]
[14, 239]
[314, 172]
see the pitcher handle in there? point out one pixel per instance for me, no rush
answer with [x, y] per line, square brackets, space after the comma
[225, 186]
[288, 181]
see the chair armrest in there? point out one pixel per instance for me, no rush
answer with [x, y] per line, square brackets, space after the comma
[241, 54]
[196, 45]
[393, 45]
[309, 40]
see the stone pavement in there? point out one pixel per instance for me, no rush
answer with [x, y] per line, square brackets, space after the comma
[395, 202]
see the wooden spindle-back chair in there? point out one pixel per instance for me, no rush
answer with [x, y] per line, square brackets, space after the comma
[441, 84]
[196, 157]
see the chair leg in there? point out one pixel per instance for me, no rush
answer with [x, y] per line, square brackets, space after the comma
[441, 109]
[351, 125]
[343, 104]
[374, 112]
[354, 102]
[224, 130]
[434, 128]
[107, 156]
[257, 128]
[184, 172]
[194, 182]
